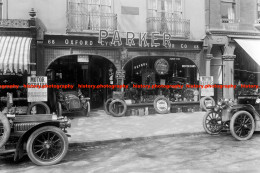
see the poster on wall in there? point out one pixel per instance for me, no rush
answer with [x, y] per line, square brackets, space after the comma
[36, 92]
[206, 81]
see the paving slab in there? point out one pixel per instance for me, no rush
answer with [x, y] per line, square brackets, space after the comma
[102, 127]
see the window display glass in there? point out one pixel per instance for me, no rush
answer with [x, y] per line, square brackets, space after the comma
[149, 77]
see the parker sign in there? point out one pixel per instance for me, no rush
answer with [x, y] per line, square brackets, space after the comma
[141, 40]
[117, 39]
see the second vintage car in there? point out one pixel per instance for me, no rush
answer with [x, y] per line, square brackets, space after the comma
[241, 118]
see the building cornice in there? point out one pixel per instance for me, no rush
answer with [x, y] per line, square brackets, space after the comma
[233, 33]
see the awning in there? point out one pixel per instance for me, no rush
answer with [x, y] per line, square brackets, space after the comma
[252, 47]
[14, 54]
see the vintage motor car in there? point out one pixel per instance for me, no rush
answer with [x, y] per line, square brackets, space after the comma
[43, 137]
[241, 118]
[71, 102]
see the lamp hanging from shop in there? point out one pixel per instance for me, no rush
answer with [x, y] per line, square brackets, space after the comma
[175, 72]
[8, 71]
[111, 75]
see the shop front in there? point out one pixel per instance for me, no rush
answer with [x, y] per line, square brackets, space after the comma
[246, 67]
[169, 68]
[234, 60]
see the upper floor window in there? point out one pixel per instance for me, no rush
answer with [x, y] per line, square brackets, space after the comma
[228, 11]
[165, 8]
[85, 15]
[166, 16]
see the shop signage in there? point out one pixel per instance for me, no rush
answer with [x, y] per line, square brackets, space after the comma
[35, 90]
[117, 39]
[204, 81]
[83, 58]
[120, 74]
[188, 66]
[162, 105]
[175, 59]
[161, 66]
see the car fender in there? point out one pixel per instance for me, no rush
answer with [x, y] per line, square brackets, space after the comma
[19, 152]
[249, 108]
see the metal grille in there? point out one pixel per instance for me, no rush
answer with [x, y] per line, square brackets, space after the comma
[14, 23]
[24, 126]
[175, 27]
[84, 16]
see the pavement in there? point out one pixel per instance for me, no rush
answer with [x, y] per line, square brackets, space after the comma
[99, 127]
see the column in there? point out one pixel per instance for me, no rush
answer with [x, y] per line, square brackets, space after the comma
[208, 60]
[228, 75]
[1, 9]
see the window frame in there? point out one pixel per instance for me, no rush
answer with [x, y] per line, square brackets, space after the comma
[86, 17]
[157, 11]
[234, 4]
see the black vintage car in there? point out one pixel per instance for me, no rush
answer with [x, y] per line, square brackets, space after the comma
[70, 101]
[42, 137]
[241, 118]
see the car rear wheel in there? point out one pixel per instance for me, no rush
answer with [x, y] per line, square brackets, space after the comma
[242, 125]
[38, 108]
[212, 123]
[47, 146]
[5, 129]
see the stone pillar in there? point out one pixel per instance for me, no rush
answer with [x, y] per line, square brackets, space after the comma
[1, 9]
[208, 60]
[228, 75]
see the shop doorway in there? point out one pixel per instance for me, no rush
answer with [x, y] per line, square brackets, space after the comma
[81, 71]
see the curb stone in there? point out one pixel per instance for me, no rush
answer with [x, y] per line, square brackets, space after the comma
[136, 139]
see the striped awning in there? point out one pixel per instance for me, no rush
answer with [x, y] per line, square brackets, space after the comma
[15, 54]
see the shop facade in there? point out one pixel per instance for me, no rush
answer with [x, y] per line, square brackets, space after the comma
[233, 59]
[146, 59]
[17, 58]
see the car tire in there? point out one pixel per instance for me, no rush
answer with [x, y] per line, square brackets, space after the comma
[202, 102]
[159, 110]
[111, 110]
[42, 105]
[106, 105]
[42, 141]
[5, 129]
[242, 120]
[214, 120]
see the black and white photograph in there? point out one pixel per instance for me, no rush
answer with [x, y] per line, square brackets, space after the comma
[129, 86]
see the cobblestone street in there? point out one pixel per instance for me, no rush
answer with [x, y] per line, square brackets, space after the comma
[195, 153]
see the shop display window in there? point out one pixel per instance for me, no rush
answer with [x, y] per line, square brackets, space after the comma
[148, 77]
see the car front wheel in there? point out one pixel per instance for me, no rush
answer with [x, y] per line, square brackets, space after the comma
[47, 146]
[212, 123]
[242, 125]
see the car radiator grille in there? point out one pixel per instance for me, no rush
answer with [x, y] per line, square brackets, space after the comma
[24, 126]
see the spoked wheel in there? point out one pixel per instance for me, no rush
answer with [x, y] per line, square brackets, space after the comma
[4, 129]
[242, 125]
[117, 108]
[212, 123]
[47, 146]
[38, 108]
